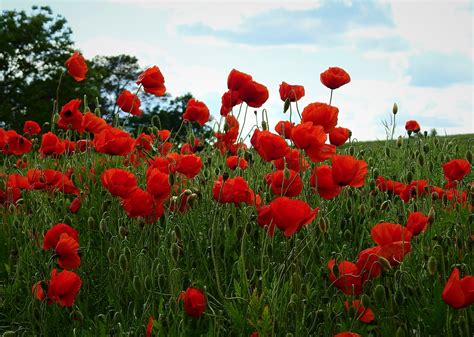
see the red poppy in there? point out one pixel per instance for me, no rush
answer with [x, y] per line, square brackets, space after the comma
[233, 190]
[129, 102]
[237, 79]
[67, 251]
[77, 67]
[70, 118]
[113, 141]
[93, 123]
[291, 215]
[269, 146]
[196, 111]
[16, 144]
[157, 183]
[118, 182]
[290, 92]
[412, 126]
[289, 186]
[194, 302]
[334, 77]
[283, 128]
[306, 134]
[63, 287]
[189, 165]
[140, 203]
[339, 136]
[51, 145]
[229, 99]
[347, 334]
[294, 160]
[417, 222]
[394, 241]
[321, 179]
[265, 219]
[365, 315]
[31, 128]
[21, 164]
[390, 186]
[233, 162]
[165, 164]
[152, 81]
[254, 94]
[75, 205]
[164, 134]
[368, 263]
[456, 169]
[38, 292]
[51, 180]
[346, 170]
[53, 235]
[318, 152]
[414, 190]
[149, 326]
[321, 114]
[347, 279]
[458, 292]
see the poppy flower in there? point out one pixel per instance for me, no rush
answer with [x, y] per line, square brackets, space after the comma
[390, 186]
[291, 215]
[393, 240]
[412, 126]
[339, 136]
[129, 102]
[77, 67]
[417, 222]
[196, 111]
[307, 134]
[149, 326]
[51, 180]
[348, 279]
[194, 302]
[365, 315]
[229, 99]
[70, 118]
[269, 146]
[289, 186]
[290, 92]
[157, 183]
[189, 165]
[140, 203]
[283, 128]
[152, 81]
[53, 235]
[93, 123]
[334, 77]
[415, 189]
[51, 145]
[348, 171]
[318, 152]
[67, 251]
[237, 79]
[265, 219]
[10, 195]
[118, 182]
[16, 144]
[63, 287]
[164, 134]
[456, 169]
[165, 164]
[368, 263]
[233, 162]
[254, 94]
[75, 205]
[321, 114]
[347, 334]
[322, 180]
[113, 141]
[232, 190]
[31, 128]
[458, 292]
[37, 291]
[294, 160]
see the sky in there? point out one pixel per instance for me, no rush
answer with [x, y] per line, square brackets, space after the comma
[418, 54]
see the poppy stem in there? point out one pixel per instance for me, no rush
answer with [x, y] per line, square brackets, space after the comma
[330, 98]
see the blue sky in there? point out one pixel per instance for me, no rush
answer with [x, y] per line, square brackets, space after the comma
[418, 54]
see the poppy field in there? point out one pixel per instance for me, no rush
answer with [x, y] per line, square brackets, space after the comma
[293, 229]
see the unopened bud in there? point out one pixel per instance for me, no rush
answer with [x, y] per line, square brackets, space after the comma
[431, 216]
[123, 262]
[432, 265]
[323, 225]
[379, 295]
[264, 125]
[395, 108]
[384, 263]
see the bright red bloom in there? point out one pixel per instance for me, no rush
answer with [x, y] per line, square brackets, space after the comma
[31, 128]
[339, 136]
[346, 170]
[347, 279]
[390, 186]
[365, 315]
[412, 126]
[269, 146]
[157, 183]
[70, 118]
[229, 99]
[321, 178]
[38, 292]
[118, 182]
[140, 203]
[290, 92]
[63, 287]
[149, 326]
[53, 235]
[237, 79]
[152, 81]
[291, 215]
[283, 128]
[417, 222]
[51, 180]
[233, 190]
[265, 219]
[320, 152]
[290, 186]
[254, 94]
[233, 162]
[347, 334]
[189, 165]
[16, 144]
[456, 169]
[414, 189]
[77, 67]
[307, 134]
[368, 263]
[321, 114]
[164, 134]
[113, 141]
[294, 161]
[194, 302]
[93, 123]
[334, 77]
[196, 111]
[394, 241]
[130, 103]
[51, 145]
[67, 251]
[75, 205]
[458, 293]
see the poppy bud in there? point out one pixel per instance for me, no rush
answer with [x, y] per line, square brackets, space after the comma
[128, 253]
[435, 196]
[76, 315]
[409, 177]
[148, 283]
[372, 212]
[426, 148]
[111, 255]
[361, 209]
[225, 176]
[123, 262]
[387, 152]
[384, 205]
[347, 235]
[351, 150]
[384, 263]
[323, 224]
[319, 315]
[102, 226]
[9, 334]
[432, 265]
[174, 251]
[171, 179]
[137, 285]
[395, 108]
[90, 222]
[399, 141]
[55, 118]
[264, 125]
[421, 160]
[123, 231]
[365, 299]
[431, 216]
[379, 295]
